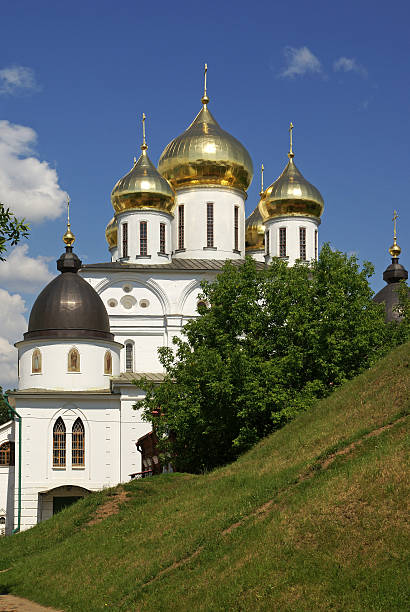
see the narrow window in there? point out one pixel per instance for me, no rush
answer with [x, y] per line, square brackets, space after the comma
[129, 357]
[59, 439]
[236, 228]
[36, 362]
[7, 453]
[143, 238]
[302, 243]
[209, 224]
[108, 362]
[162, 238]
[73, 360]
[77, 444]
[282, 242]
[181, 236]
[316, 245]
[125, 239]
[267, 242]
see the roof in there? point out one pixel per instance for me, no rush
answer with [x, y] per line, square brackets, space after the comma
[129, 377]
[174, 264]
[35, 391]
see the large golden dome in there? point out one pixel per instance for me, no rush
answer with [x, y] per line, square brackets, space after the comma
[111, 233]
[143, 187]
[206, 155]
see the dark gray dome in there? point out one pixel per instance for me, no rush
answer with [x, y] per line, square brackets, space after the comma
[68, 307]
[393, 274]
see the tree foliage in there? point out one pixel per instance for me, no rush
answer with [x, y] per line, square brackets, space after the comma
[11, 229]
[267, 344]
[4, 409]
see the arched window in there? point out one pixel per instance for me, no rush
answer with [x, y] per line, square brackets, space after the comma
[78, 449]
[73, 360]
[36, 362]
[7, 453]
[59, 440]
[129, 357]
[107, 362]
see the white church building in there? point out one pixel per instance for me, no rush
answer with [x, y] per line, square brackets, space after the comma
[96, 328]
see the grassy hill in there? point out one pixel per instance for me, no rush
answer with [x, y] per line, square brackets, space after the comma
[313, 518]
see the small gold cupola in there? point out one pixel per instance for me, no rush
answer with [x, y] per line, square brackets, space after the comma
[111, 233]
[254, 228]
[206, 155]
[143, 187]
[68, 237]
[291, 195]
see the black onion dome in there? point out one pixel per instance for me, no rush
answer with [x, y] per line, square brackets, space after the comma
[393, 274]
[68, 307]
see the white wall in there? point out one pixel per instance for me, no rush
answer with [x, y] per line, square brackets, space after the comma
[7, 481]
[153, 218]
[292, 225]
[100, 414]
[55, 375]
[195, 201]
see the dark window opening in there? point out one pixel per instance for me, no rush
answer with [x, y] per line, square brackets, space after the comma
[162, 238]
[125, 239]
[282, 242]
[209, 225]
[302, 243]
[181, 232]
[143, 238]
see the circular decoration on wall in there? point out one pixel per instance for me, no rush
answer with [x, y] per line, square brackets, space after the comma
[127, 288]
[112, 303]
[144, 303]
[128, 301]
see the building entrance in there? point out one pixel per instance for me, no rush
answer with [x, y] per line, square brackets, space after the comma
[59, 503]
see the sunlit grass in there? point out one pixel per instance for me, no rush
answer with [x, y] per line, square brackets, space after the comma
[335, 541]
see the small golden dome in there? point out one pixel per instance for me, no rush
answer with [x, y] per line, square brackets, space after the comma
[395, 250]
[254, 232]
[111, 233]
[291, 195]
[206, 155]
[143, 187]
[68, 237]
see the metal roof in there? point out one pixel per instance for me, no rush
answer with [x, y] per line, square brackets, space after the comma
[129, 377]
[175, 264]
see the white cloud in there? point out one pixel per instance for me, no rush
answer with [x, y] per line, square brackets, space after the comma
[12, 326]
[23, 273]
[349, 64]
[27, 185]
[17, 79]
[300, 61]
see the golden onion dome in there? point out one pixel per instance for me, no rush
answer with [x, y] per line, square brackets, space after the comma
[143, 187]
[111, 233]
[206, 155]
[291, 195]
[254, 232]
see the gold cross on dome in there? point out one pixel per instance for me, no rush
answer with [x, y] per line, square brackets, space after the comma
[395, 216]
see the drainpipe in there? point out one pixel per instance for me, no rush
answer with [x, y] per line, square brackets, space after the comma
[16, 415]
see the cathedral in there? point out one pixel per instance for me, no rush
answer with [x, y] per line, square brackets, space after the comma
[96, 328]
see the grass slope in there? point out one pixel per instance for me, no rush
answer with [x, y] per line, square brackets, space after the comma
[311, 519]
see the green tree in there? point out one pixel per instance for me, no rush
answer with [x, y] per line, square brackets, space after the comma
[11, 229]
[4, 410]
[267, 345]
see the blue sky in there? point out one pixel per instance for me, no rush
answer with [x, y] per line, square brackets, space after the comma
[80, 74]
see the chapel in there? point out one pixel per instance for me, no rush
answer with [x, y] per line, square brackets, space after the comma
[96, 328]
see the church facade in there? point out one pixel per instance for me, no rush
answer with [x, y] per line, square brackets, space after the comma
[97, 328]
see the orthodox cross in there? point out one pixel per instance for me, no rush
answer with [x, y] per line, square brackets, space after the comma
[395, 216]
[144, 145]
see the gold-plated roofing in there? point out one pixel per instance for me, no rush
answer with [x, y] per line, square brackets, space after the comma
[68, 237]
[395, 250]
[254, 232]
[111, 233]
[143, 187]
[206, 155]
[291, 194]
